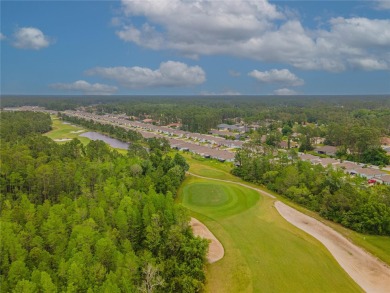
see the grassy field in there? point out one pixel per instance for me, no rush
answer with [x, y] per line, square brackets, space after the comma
[210, 168]
[263, 253]
[376, 245]
[63, 130]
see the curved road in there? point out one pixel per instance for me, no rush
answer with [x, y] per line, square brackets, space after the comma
[371, 274]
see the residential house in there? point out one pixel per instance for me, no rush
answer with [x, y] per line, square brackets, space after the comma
[148, 121]
[327, 150]
[237, 127]
[369, 173]
[309, 158]
[225, 133]
[385, 179]
[174, 125]
[328, 161]
[349, 167]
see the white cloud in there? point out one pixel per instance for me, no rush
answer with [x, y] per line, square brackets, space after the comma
[256, 30]
[284, 92]
[2, 37]
[169, 74]
[368, 64]
[85, 87]
[197, 27]
[282, 76]
[358, 33]
[147, 36]
[30, 38]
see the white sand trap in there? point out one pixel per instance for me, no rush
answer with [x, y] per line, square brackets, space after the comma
[367, 271]
[78, 131]
[216, 250]
[62, 139]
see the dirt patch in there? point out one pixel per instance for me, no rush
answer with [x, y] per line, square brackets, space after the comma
[367, 271]
[216, 250]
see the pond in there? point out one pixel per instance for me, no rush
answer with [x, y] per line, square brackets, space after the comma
[115, 143]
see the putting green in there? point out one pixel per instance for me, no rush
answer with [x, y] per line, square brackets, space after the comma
[263, 252]
[218, 199]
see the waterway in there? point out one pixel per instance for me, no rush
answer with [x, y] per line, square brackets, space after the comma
[115, 143]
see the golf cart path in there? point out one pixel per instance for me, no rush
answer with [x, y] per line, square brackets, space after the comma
[371, 274]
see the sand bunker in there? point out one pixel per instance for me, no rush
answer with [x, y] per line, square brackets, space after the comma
[62, 139]
[78, 131]
[367, 271]
[216, 250]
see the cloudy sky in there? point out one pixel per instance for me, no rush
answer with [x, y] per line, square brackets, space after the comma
[251, 47]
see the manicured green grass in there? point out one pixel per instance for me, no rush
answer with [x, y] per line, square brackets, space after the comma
[210, 168]
[218, 200]
[63, 130]
[263, 252]
[379, 246]
[66, 131]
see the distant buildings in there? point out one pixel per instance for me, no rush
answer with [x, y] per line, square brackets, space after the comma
[227, 127]
[351, 168]
[207, 146]
[327, 150]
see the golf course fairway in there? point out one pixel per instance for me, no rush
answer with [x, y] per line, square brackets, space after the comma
[263, 252]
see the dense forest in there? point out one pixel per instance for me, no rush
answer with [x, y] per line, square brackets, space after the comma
[333, 194]
[81, 218]
[201, 113]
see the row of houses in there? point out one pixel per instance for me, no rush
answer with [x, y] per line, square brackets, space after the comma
[373, 175]
[191, 142]
[120, 121]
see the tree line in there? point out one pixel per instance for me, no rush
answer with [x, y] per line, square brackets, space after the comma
[200, 113]
[81, 218]
[331, 193]
[18, 124]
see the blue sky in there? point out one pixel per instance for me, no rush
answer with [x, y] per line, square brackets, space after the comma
[195, 47]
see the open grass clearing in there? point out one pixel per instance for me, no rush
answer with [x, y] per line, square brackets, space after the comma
[209, 167]
[63, 131]
[263, 253]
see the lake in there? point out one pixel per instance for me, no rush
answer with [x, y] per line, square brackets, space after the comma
[115, 143]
